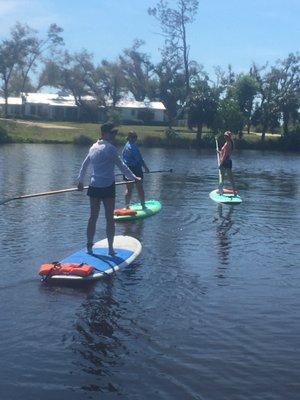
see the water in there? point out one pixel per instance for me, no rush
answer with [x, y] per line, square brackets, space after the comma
[209, 311]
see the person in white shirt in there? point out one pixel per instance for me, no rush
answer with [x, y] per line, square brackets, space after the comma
[102, 158]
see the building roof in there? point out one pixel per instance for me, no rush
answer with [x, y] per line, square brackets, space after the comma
[11, 101]
[55, 99]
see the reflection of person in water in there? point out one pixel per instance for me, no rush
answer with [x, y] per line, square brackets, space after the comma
[133, 228]
[97, 344]
[224, 224]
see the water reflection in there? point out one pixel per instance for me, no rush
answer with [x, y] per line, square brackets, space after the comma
[224, 223]
[168, 319]
[133, 228]
[97, 343]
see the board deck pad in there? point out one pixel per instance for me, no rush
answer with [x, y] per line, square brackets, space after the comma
[152, 208]
[228, 197]
[126, 248]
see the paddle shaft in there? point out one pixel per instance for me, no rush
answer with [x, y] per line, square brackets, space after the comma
[27, 196]
[154, 172]
[218, 159]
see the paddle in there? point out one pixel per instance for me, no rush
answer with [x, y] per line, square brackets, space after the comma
[218, 159]
[154, 172]
[27, 196]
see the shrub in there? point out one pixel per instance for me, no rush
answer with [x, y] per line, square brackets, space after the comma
[291, 141]
[132, 122]
[4, 138]
[82, 140]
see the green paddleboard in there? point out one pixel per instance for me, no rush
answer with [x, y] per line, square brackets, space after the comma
[152, 207]
[225, 198]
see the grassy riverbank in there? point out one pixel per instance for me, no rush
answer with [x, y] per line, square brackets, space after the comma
[85, 133]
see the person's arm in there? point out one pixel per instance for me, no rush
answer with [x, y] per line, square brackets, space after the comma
[123, 167]
[224, 153]
[82, 172]
[145, 167]
[139, 158]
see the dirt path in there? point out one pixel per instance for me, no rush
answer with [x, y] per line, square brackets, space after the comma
[39, 124]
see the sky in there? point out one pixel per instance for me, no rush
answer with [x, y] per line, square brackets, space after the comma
[236, 32]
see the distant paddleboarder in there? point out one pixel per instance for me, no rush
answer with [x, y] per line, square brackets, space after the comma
[132, 157]
[102, 158]
[226, 162]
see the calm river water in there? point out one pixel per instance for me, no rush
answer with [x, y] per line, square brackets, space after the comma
[210, 311]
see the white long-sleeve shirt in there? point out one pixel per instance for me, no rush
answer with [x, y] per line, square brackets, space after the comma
[102, 158]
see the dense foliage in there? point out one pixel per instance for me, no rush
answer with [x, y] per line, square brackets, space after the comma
[263, 99]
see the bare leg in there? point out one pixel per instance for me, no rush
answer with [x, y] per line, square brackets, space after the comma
[140, 189]
[91, 227]
[128, 193]
[221, 184]
[231, 178]
[109, 206]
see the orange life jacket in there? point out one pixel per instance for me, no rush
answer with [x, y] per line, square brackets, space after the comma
[55, 268]
[124, 211]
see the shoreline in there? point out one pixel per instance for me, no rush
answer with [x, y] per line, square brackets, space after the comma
[59, 132]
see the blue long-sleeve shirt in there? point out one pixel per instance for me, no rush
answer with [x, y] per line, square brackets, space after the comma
[131, 155]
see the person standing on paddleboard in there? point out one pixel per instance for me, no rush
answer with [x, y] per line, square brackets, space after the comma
[102, 158]
[133, 159]
[226, 162]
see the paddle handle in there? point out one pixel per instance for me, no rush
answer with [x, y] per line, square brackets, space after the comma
[161, 170]
[218, 160]
[154, 172]
[75, 189]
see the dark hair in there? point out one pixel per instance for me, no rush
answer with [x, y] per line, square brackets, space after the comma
[107, 127]
[131, 135]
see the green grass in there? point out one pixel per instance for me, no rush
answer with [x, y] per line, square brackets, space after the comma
[84, 133]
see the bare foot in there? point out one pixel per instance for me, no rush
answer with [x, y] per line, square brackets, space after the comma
[89, 248]
[111, 252]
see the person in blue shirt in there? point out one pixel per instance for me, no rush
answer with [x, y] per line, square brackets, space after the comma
[133, 159]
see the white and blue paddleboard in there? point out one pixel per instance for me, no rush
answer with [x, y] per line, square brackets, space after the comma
[126, 249]
[228, 197]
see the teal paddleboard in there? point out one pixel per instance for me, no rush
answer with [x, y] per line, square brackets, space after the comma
[152, 208]
[225, 198]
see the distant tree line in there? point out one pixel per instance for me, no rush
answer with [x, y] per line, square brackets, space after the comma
[264, 98]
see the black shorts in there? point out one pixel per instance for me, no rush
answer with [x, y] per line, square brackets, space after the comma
[226, 164]
[102, 192]
[137, 171]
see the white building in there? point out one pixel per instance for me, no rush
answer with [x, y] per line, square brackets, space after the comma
[52, 106]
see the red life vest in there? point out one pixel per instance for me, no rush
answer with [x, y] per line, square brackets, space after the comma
[55, 268]
[124, 211]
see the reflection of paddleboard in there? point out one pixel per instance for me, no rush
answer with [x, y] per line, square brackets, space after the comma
[127, 249]
[226, 198]
[136, 211]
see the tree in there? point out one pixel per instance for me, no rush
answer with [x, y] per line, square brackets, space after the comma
[71, 74]
[228, 117]
[37, 48]
[287, 81]
[110, 78]
[137, 68]
[245, 90]
[170, 88]
[16, 82]
[93, 87]
[202, 106]
[173, 22]
[267, 108]
[225, 81]
[13, 51]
